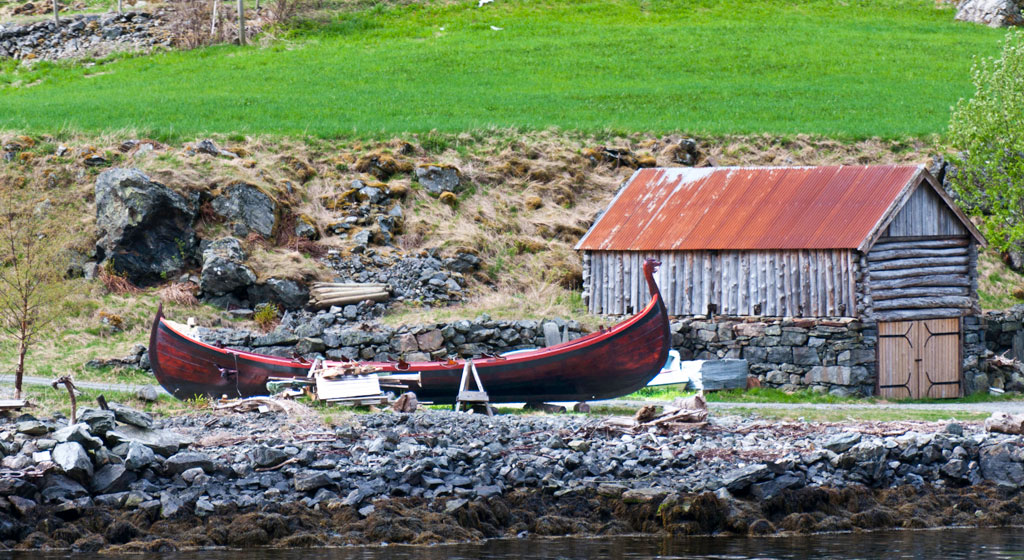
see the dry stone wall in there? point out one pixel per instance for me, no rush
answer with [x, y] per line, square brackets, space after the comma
[81, 35]
[835, 356]
[330, 335]
[1000, 334]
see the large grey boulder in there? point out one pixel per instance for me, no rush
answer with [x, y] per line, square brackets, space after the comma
[248, 206]
[139, 457]
[99, 421]
[111, 478]
[181, 462]
[59, 488]
[73, 460]
[289, 294]
[224, 271]
[1003, 464]
[738, 480]
[160, 441]
[265, 456]
[145, 228]
[129, 415]
[438, 178]
[78, 433]
[993, 13]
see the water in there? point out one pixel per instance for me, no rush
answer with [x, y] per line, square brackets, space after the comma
[951, 544]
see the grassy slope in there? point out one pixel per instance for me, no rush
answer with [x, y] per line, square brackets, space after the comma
[858, 69]
[529, 265]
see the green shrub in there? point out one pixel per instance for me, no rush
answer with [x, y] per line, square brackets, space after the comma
[989, 129]
[266, 315]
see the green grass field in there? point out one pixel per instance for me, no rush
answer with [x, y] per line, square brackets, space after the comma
[861, 68]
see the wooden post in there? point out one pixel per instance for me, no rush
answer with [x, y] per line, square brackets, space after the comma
[56, 8]
[241, 22]
[213, 18]
[120, 8]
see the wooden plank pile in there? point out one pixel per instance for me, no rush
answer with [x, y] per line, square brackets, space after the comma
[325, 294]
[12, 404]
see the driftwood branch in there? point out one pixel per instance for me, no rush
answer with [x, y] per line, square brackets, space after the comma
[67, 382]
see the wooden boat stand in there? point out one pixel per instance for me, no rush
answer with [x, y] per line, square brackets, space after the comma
[472, 398]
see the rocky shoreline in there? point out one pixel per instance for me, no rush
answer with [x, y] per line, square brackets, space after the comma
[121, 481]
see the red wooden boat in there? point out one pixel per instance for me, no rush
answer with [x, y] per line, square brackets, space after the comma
[604, 364]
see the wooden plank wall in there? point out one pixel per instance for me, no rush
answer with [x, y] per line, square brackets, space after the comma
[914, 278]
[925, 214]
[808, 283]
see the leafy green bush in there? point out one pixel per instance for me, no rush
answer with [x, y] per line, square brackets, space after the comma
[989, 129]
[266, 315]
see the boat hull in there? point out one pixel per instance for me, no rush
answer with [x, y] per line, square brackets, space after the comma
[606, 364]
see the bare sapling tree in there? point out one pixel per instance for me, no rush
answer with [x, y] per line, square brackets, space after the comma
[56, 8]
[120, 8]
[241, 22]
[30, 273]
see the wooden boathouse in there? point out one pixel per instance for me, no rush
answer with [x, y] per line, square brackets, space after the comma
[882, 244]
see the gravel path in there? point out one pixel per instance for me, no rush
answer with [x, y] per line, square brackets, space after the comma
[101, 386]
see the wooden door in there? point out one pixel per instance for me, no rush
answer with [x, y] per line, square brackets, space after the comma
[919, 359]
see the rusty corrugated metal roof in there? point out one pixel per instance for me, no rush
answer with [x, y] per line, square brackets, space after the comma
[833, 207]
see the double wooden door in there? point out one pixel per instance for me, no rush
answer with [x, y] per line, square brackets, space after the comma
[919, 359]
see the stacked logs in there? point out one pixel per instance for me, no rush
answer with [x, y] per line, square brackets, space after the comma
[326, 294]
[910, 276]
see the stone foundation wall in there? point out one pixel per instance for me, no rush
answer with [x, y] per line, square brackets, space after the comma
[827, 355]
[838, 356]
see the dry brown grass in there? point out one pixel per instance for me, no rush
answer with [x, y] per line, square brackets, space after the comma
[542, 301]
[290, 265]
[998, 285]
[523, 249]
[181, 293]
[115, 283]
